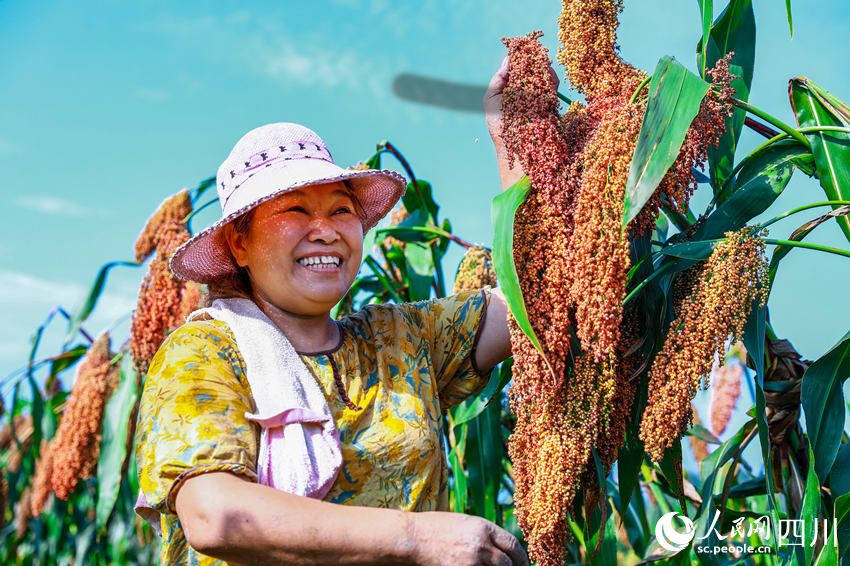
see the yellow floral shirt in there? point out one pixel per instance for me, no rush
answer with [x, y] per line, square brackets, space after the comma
[400, 365]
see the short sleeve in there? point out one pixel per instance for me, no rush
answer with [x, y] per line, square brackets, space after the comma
[452, 325]
[192, 413]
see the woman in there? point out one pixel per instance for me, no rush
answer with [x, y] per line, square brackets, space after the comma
[210, 441]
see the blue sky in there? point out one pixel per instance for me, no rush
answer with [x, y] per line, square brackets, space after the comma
[106, 108]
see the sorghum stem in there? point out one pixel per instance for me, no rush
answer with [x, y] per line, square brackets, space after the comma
[800, 209]
[639, 88]
[816, 247]
[382, 277]
[775, 121]
[425, 229]
[196, 211]
[397, 154]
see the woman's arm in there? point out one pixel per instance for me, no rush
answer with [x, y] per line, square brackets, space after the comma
[233, 519]
[493, 115]
[494, 344]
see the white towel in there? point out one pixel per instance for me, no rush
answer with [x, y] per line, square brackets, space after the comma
[300, 451]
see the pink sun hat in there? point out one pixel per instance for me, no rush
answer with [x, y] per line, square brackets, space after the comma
[266, 162]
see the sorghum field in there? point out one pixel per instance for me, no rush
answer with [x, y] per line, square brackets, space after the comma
[625, 302]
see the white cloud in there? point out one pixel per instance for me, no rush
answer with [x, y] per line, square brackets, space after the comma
[23, 289]
[26, 300]
[261, 46]
[56, 206]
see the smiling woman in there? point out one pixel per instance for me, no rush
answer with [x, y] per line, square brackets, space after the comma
[268, 431]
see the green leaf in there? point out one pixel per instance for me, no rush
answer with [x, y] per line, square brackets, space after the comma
[810, 507]
[484, 451]
[814, 106]
[505, 206]
[420, 270]
[459, 485]
[473, 406]
[113, 445]
[419, 197]
[671, 467]
[782, 250]
[202, 188]
[758, 185]
[674, 99]
[607, 555]
[702, 433]
[374, 162]
[823, 403]
[834, 549]
[706, 10]
[733, 31]
[696, 250]
[89, 303]
[66, 359]
[790, 19]
[839, 477]
[754, 336]
[842, 519]
[405, 231]
[712, 484]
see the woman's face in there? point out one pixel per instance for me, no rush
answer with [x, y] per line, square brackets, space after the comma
[303, 248]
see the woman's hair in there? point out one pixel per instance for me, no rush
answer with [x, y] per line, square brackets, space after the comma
[239, 284]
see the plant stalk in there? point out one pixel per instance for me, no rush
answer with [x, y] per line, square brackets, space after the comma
[772, 120]
[427, 230]
[382, 277]
[639, 88]
[816, 247]
[801, 209]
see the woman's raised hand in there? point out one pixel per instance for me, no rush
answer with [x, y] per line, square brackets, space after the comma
[493, 116]
[493, 98]
[462, 540]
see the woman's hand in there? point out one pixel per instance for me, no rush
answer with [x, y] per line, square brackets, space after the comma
[462, 540]
[493, 116]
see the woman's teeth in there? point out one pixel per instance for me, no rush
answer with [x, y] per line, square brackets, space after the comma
[320, 261]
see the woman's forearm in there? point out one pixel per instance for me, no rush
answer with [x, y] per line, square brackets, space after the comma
[229, 518]
[241, 522]
[507, 175]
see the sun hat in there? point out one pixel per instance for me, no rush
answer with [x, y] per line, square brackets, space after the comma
[264, 163]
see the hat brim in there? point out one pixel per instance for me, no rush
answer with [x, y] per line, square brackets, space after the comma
[206, 257]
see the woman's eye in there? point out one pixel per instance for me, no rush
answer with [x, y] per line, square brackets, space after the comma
[342, 209]
[295, 209]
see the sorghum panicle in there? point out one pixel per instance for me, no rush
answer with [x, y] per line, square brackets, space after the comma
[599, 250]
[172, 210]
[4, 499]
[23, 513]
[725, 391]
[709, 125]
[164, 299]
[732, 280]
[589, 50]
[698, 445]
[76, 445]
[41, 484]
[23, 436]
[475, 270]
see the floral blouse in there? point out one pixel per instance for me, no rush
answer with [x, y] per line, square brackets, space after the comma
[401, 366]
